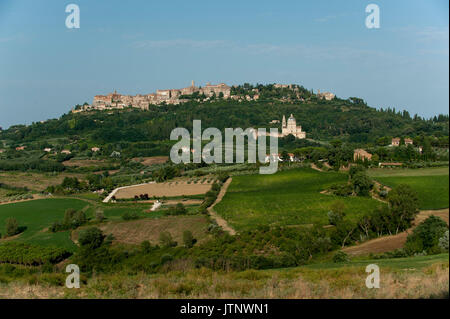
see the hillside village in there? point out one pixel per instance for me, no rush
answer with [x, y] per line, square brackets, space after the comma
[176, 96]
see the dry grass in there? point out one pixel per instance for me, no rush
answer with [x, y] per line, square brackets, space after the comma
[35, 181]
[296, 283]
[164, 189]
[135, 232]
[83, 163]
[151, 160]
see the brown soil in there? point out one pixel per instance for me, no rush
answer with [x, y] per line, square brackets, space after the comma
[135, 232]
[83, 163]
[390, 243]
[151, 160]
[164, 189]
[184, 202]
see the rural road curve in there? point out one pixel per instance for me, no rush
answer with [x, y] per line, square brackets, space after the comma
[219, 220]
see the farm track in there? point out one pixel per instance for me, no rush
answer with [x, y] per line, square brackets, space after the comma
[219, 220]
[390, 243]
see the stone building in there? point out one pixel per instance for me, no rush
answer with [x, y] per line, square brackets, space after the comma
[290, 127]
[395, 141]
[170, 96]
[325, 95]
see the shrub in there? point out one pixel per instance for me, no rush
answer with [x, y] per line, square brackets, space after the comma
[362, 184]
[165, 239]
[91, 237]
[79, 219]
[404, 206]
[109, 239]
[336, 215]
[130, 216]
[426, 236]
[99, 215]
[146, 247]
[166, 258]
[340, 257]
[12, 227]
[72, 219]
[343, 189]
[69, 215]
[188, 239]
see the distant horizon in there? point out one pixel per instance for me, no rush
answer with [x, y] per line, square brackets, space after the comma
[233, 84]
[142, 46]
[230, 84]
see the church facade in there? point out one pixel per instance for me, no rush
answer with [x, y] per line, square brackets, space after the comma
[290, 127]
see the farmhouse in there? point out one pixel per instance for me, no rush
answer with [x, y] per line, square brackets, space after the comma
[20, 148]
[395, 141]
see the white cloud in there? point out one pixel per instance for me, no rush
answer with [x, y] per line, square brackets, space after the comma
[186, 43]
[433, 34]
[278, 50]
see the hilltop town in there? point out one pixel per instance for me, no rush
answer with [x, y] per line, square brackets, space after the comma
[176, 96]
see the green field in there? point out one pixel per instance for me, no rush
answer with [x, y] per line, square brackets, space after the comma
[386, 172]
[432, 185]
[410, 263]
[291, 197]
[37, 215]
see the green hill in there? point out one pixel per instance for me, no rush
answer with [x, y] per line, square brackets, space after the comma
[349, 119]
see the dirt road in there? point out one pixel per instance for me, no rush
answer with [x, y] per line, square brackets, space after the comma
[219, 220]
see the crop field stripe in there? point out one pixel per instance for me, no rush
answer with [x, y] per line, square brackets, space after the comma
[432, 190]
[286, 198]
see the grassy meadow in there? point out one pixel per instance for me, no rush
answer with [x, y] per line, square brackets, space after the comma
[432, 184]
[290, 197]
[37, 216]
[414, 277]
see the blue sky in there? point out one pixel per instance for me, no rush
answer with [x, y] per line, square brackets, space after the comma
[140, 46]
